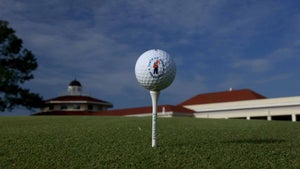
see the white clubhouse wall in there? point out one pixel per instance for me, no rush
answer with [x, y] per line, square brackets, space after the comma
[284, 106]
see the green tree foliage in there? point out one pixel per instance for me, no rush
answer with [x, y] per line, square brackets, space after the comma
[16, 66]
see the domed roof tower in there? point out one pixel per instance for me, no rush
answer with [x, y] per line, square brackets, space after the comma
[75, 83]
[75, 88]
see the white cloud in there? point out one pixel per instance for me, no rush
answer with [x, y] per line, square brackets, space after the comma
[284, 53]
[276, 77]
[254, 65]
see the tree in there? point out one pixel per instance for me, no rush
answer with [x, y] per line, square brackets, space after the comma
[16, 66]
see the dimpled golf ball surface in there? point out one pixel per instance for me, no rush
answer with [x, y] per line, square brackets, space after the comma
[155, 70]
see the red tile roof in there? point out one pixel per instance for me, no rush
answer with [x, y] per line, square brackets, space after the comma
[225, 96]
[63, 113]
[146, 110]
[77, 98]
[123, 112]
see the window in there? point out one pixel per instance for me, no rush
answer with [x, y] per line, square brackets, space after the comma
[63, 107]
[90, 107]
[76, 106]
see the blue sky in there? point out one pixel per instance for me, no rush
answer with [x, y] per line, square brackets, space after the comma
[216, 44]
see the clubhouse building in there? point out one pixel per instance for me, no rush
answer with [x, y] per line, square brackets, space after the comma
[243, 104]
[231, 104]
[74, 103]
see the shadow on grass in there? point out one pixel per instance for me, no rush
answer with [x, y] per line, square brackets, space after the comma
[255, 141]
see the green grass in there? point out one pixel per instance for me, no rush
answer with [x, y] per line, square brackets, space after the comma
[119, 142]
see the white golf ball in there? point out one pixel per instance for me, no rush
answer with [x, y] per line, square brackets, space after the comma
[155, 70]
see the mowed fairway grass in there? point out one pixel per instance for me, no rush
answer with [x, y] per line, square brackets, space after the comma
[125, 142]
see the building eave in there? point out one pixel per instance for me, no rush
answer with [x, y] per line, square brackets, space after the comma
[78, 102]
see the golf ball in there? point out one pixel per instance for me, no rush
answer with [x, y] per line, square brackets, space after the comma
[155, 70]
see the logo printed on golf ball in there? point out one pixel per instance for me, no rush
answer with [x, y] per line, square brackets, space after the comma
[156, 67]
[155, 70]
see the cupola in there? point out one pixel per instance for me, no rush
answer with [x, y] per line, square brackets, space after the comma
[75, 88]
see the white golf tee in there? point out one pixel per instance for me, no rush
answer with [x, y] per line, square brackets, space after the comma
[154, 98]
